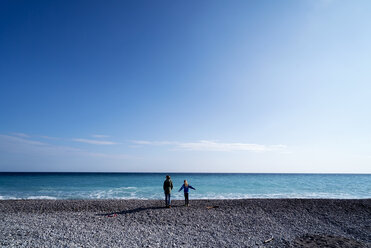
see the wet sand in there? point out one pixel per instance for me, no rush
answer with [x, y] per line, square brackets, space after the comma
[146, 223]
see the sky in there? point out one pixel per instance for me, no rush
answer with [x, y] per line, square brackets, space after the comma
[185, 86]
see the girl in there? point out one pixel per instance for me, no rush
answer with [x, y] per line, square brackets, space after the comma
[186, 188]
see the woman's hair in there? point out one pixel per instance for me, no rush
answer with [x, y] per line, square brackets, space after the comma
[167, 177]
[185, 183]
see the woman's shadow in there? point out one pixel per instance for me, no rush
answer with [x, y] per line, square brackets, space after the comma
[131, 211]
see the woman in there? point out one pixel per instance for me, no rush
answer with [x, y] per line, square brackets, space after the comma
[186, 188]
[168, 186]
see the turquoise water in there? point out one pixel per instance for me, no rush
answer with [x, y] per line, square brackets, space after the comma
[209, 186]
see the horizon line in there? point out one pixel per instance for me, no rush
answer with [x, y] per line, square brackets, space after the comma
[143, 172]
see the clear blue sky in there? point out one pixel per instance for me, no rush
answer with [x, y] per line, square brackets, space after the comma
[211, 86]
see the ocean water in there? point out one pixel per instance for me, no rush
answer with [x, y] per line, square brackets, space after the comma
[208, 186]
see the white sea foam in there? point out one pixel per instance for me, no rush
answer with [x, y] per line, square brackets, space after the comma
[121, 188]
[9, 198]
[117, 194]
[40, 197]
[272, 196]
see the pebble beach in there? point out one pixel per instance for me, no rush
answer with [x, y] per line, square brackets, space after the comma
[206, 223]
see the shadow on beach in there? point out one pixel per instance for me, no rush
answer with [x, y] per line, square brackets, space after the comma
[135, 210]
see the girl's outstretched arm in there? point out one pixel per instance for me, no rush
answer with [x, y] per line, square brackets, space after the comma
[181, 188]
[191, 187]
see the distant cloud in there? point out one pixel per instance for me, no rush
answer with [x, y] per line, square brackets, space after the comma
[22, 140]
[49, 137]
[24, 145]
[12, 144]
[95, 142]
[21, 135]
[100, 136]
[155, 143]
[206, 145]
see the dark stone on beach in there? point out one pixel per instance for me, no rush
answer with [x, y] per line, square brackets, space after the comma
[146, 223]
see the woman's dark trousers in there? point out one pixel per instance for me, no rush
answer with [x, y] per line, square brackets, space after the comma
[167, 200]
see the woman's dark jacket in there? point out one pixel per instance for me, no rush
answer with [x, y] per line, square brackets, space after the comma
[168, 186]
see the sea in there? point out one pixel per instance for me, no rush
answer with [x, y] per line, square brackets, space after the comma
[207, 185]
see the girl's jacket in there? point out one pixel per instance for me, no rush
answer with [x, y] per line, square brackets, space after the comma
[186, 189]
